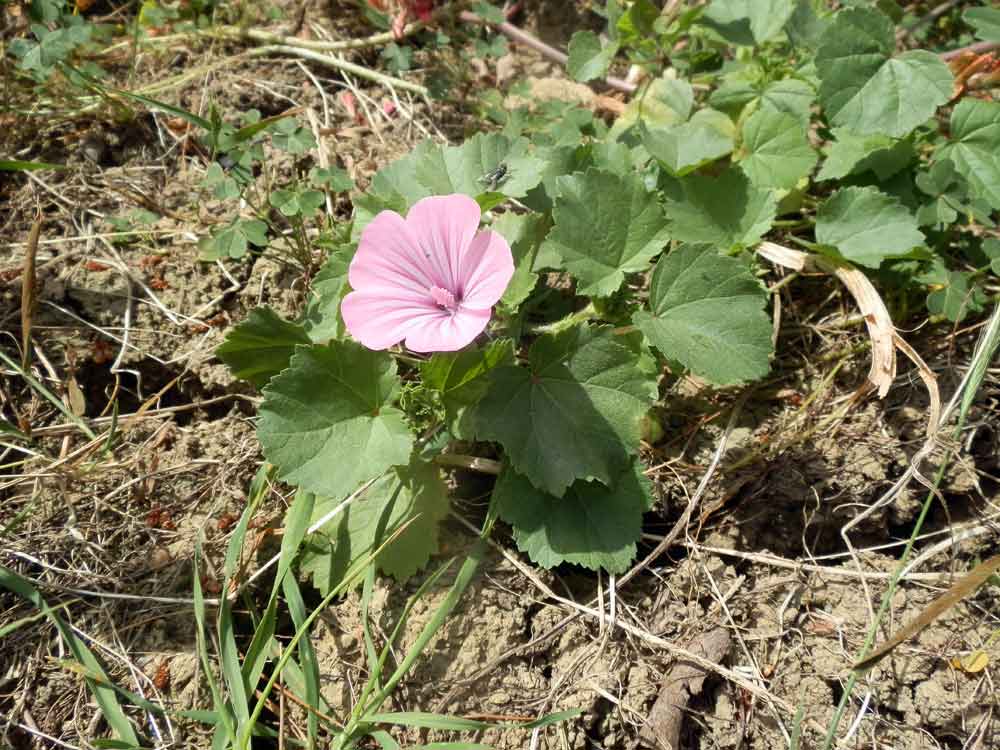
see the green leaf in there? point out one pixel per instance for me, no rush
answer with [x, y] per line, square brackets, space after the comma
[461, 379]
[805, 27]
[683, 148]
[288, 135]
[867, 226]
[462, 169]
[867, 90]
[667, 101]
[748, 22]
[421, 502]
[334, 179]
[605, 226]
[296, 201]
[575, 411]
[975, 147]
[986, 22]
[321, 318]
[854, 154]
[707, 312]
[590, 525]
[587, 58]
[790, 96]
[260, 347]
[326, 421]
[957, 298]
[991, 249]
[488, 12]
[524, 233]
[778, 153]
[233, 240]
[727, 210]
[637, 21]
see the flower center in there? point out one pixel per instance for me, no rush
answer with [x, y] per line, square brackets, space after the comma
[444, 299]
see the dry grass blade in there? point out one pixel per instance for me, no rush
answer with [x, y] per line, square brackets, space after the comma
[28, 300]
[962, 588]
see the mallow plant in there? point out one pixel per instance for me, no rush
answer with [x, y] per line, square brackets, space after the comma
[516, 301]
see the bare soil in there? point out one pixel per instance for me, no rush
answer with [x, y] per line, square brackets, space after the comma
[110, 537]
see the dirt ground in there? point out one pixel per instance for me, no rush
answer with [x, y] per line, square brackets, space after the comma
[110, 536]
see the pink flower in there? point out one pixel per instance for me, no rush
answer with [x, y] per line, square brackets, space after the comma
[430, 278]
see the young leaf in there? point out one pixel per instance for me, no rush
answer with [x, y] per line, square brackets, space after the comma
[854, 154]
[727, 211]
[986, 22]
[867, 226]
[683, 148]
[461, 378]
[707, 312]
[574, 412]
[587, 58]
[778, 153]
[260, 347]
[605, 226]
[975, 147]
[326, 421]
[233, 240]
[421, 502]
[590, 525]
[748, 22]
[867, 90]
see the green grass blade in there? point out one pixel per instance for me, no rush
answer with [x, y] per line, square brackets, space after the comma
[109, 91]
[307, 657]
[296, 525]
[199, 615]
[345, 584]
[15, 165]
[425, 720]
[229, 656]
[48, 395]
[102, 693]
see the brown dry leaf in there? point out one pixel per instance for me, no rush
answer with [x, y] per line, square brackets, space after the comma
[963, 587]
[972, 663]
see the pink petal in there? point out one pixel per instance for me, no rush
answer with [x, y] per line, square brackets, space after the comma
[444, 226]
[378, 321]
[487, 267]
[390, 255]
[447, 332]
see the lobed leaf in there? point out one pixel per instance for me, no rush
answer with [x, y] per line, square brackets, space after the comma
[778, 153]
[727, 210]
[260, 347]
[575, 411]
[707, 312]
[326, 421]
[590, 525]
[974, 147]
[867, 226]
[865, 88]
[413, 496]
[605, 226]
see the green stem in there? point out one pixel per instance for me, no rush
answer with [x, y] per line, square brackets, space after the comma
[564, 324]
